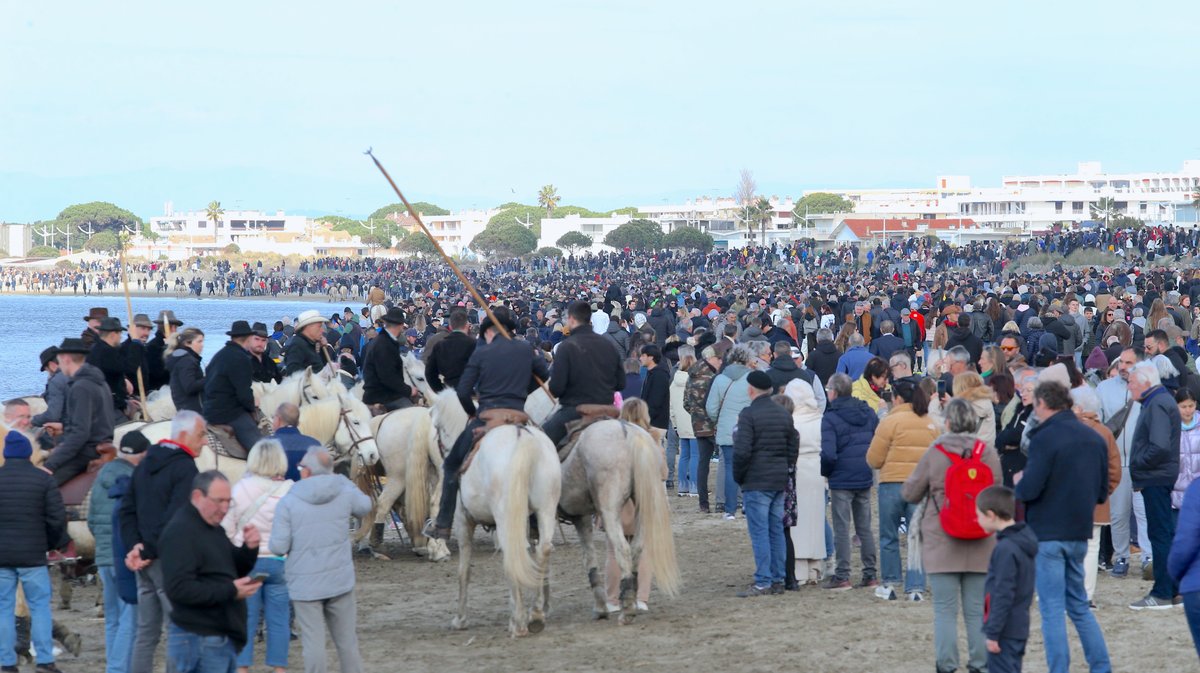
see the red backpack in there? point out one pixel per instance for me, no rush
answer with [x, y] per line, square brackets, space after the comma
[965, 478]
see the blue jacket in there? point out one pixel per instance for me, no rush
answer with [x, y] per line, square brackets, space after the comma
[1065, 478]
[295, 445]
[1154, 453]
[846, 431]
[854, 361]
[1184, 561]
[1008, 590]
[126, 579]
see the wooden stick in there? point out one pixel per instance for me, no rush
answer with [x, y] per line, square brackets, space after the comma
[129, 307]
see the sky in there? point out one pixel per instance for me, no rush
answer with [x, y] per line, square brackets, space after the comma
[616, 102]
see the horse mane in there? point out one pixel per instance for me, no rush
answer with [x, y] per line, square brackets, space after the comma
[447, 412]
[287, 390]
[320, 419]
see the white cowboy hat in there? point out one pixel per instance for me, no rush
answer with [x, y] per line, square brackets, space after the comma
[307, 318]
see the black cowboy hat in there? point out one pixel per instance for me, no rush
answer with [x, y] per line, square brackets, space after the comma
[503, 316]
[394, 316]
[240, 328]
[96, 313]
[110, 325]
[260, 329]
[168, 316]
[73, 346]
[47, 356]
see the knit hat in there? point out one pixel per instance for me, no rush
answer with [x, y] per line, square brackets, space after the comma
[17, 445]
[1096, 360]
[759, 380]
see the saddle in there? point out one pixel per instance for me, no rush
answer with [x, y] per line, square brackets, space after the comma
[223, 441]
[588, 414]
[75, 491]
[377, 410]
[492, 419]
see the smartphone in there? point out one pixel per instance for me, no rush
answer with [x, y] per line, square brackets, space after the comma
[259, 577]
[941, 384]
[886, 396]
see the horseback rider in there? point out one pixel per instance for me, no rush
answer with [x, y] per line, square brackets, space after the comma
[157, 375]
[586, 370]
[265, 369]
[134, 351]
[307, 347]
[502, 371]
[228, 397]
[88, 421]
[107, 357]
[446, 358]
[383, 370]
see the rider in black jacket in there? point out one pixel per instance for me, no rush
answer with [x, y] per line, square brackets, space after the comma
[382, 370]
[587, 370]
[447, 359]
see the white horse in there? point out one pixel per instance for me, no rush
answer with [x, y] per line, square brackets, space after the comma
[514, 472]
[539, 406]
[615, 462]
[299, 389]
[414, 376]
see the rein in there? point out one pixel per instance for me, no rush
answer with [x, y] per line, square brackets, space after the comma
[355, 439]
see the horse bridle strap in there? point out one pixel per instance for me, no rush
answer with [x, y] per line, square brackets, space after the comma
[355, 438]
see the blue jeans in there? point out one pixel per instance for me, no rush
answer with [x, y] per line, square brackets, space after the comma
[828, 530]
[191, 653]
[689, 463]
[120, 623]
[1160, 526]
[891, 508]
[36, 584]
[1191, 607]
[731, 487]
[274, 595]
[1060, 589]
[764, 520]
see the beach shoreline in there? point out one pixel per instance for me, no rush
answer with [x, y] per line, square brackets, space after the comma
[181, 296]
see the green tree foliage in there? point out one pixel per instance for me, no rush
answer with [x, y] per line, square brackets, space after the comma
[214, 214]
[573, 241]
[636, 235]
[148, 233]
[631, 211]
[418, 242]
[510, 239]
[519, 214]
[43, 251]
[821, 202]
[548, 198]
[1125, 222]
[421, 207]
[104, 241]
[232, 249]
[98, 215]
[688, 238]
[378, 240]
[549, 251]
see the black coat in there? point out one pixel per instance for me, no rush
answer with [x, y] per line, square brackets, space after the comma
[884, 345]
[112, 364]
[586, 370]
[199, 565]
[33, 520]
[656, 392]
[1154, 452]
[157, 375]
[663, 323]
[963, 336]
[765, 445]
[160, 485]
[1008, 590]
[502, 373]
[89, 418]
[447, 360]
[823, 361]
[299, 354]
[265, 369]
[187, 379]
[1065, 477]
[227, 385]
[383, 372]
[783, 369]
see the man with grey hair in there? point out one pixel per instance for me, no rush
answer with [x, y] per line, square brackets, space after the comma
[1153, 469]
[823, 358]
[887, 342]
[310, 530]
[855, 359]
[847, 427]
[1120, 411]
[161, 484]
[958, 360]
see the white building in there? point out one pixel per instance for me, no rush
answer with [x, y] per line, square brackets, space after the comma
[456, 231]
[234, 226]
[596, 228]
[723, 217]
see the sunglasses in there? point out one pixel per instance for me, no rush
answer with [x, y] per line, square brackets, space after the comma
[1008, 349]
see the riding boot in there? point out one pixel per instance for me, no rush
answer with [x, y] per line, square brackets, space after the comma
[445, 517]
[377, 533]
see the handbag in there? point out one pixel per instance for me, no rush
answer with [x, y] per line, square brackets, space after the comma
[1117, 423]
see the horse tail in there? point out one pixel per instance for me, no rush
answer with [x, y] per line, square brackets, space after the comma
[653, 513]
[519, 565]
[416, 476]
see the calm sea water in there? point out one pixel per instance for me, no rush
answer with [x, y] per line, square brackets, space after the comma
[28, 324]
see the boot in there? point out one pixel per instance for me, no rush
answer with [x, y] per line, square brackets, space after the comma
[73, 642]
[445, 517]
[24, 627]
[377, 534]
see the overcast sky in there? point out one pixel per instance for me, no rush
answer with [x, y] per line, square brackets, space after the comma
[270, 105]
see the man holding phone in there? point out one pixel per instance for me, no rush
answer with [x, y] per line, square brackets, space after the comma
[206, 582]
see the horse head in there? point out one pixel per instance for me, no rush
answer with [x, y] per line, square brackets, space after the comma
[353, 434]
[449, 419]
[414, 376]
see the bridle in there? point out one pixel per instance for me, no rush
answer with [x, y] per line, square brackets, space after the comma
[355, 438]
[412, 383]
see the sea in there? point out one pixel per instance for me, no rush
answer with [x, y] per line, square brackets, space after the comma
[30, 323]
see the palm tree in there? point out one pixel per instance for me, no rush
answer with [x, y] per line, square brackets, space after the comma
[215, 211]
[548, 198]
[763, 211]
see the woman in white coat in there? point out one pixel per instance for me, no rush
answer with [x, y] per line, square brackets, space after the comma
[808, 531]
[681, 420]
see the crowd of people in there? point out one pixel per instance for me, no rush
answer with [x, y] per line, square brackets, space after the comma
[842, 404]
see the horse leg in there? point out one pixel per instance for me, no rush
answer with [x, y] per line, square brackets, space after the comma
[392, 490]
[466, 531]
[620, 547]
[437, 549]
[541, 602]
[583, 526]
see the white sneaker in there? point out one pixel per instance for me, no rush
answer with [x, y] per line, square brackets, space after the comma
[613, 608]
[885, 592]
[730, 517]
[642, 607]
[916, 596]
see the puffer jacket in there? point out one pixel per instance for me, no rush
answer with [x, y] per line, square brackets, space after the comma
[1189, 462]
[726, 399]
[846, 431]
[246, 494]
[767, 444]
[700, 378]
[981, 401]
[941, 553]
[33, 519]
[187, 379]
[681, 420]
[861, 389]
[1154, 453]
[823, 360]
[899, 442]
[310, 529]
[620, 338]
[101, 506]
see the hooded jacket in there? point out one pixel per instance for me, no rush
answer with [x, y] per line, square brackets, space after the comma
[1008, 590]
[961, 335]
[823, 360]
[619, 337]
[727, 397]
[310, 529]
[160, 485]
[695, 398]
[846, 431]
[89, 419]
[187, 379]
[681, 420]
[101, 508]
[56, 400]
[1154, 451]
[663, 324]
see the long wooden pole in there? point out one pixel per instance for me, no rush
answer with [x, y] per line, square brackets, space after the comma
[453, 266]
[129, 307]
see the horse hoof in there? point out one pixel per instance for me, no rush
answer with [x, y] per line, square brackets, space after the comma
[520, 633]
[380, 557]
[624, 619]
[458, 623]
[421, 551]
[438, 551]
[537, 625]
